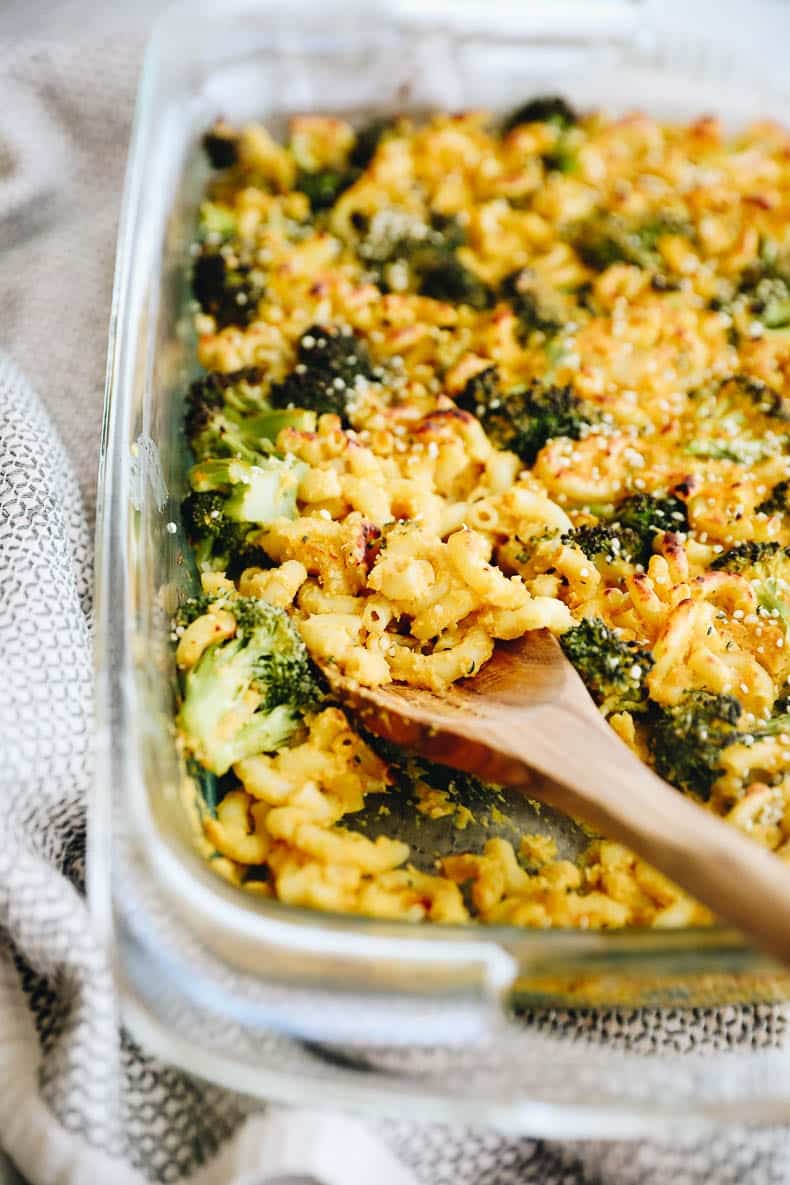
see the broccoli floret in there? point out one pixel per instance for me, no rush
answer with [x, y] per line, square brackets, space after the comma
[248, 694]
[555, 111]
[228, 417]
[515, 289]
[765, 286]
[217, 224]
[451, 230]
[724, 424]
[221, 145]
[770, 302]
[223, 433]
[603, 242]
[239, 392]
[229, 499]
[608, 543]
[443, 277]
[753, 559]
[762, 294]
[482, 393]
[525, 418]
[543, 109]
[744, 451]
[687, 740]
[607, 239]
[190, 609]
[229, 292]
[563, 158]
[613, 671]
[767, 567]
[254, 492]
[367, 141]
[648, 514]
[778, 501]
[779, 721]
[628, 532]
[219, 543]
[324, 186]
[407, 255]
[742, 392]
[331, 367]
[202, 514]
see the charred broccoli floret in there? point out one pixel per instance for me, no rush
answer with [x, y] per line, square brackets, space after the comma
[332, 365]
[778, 501]
[523, 300]
[652, 512]
[543, 109]
[687, 739]
[648, 514]
[408, 255]
[560, 116]
[613, 671]
[324, 186]
[628, 532]
[221, 145]
[442, 276]
[482, 393]
[525, 418]
[229, 292]
[754, 559]
[770, 302]
[767, 567]
[606, 239]
[247, 694]
[607, 542]
[367, 140]
[239, 390]
[227, 416]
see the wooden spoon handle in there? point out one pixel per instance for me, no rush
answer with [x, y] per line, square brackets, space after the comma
[604, 783]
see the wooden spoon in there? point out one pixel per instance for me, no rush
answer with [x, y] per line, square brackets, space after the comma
[526, 710]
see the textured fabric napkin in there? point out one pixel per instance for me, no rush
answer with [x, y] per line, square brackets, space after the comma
[81, 1104]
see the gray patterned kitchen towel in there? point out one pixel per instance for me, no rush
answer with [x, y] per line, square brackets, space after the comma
[80, 1104]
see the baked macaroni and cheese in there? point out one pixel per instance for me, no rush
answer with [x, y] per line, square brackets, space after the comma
[466, 378]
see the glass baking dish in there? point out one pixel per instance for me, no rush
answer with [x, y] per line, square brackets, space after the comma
[289, 1003]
